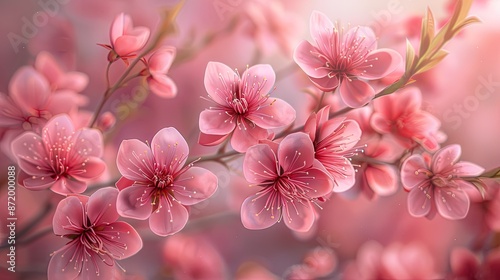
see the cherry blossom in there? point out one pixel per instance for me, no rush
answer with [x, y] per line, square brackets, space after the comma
[61, 158]
[97, 239]
[156, 183]
[334, 144]
[158, 65]
[438, 184]
[243, 107]
[290, 178]
[343, 60]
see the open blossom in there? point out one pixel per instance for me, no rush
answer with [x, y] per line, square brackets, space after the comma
[125, 39]
[401, 116]
[157, 185]
[243, 107]
[61, 159]
[343, 60]
[439, 183]
[334, 142]
[291, 179]
[158, 65]
[97, 239]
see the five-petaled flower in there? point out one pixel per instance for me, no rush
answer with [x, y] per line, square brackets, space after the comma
[243, 107]
[156, 183]
[334, 145]
[97, 238]
[438, 181]
[291, 180]
[61, 159]
[341, 60]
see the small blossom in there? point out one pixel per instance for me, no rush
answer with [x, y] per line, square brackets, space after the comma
[334, 142]
[438, 182]
[158, 65]
[125, 39]
[291, 180]
[341, 59]
[401, 116]
[156, 183]
[61, 159]
[97, 239]
[243, 107]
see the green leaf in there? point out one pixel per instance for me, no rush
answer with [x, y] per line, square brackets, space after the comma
[433, 61]
[410, 56]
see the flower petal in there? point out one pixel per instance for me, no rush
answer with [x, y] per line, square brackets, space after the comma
[57, 130]
[420, 201]
[61, 268]
[247, 135]
[36, 183]
[194, 185]
[410, 172]
[467, 169]
[380, 63]
[120, 23]
[317, 179]
[452, 203]
[259, 164]
[258, 80]
[445, 159]
[216, 122]
[296, 152]
[218, 77]
[101, 207]
[211, 140]
[276, 113]
[320, 27]
[90, 168]
[30, 154]
[255, 215]
[298, 215]
[169, 218]
[123, 183]
[311, 64]
[29, 89]
[123, 233]
[134, 157]
[162, 86]
[69, 216]
[66, 186]
[362, 37]
[170, 148]
[126, 45]
[134, 202]
[161, 60]
[356, 93]
[382, 179]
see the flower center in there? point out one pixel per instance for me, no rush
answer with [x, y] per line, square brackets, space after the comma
[240, 105]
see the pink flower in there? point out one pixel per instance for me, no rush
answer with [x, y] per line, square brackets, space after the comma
[57, 78]
[290, 178]
[334, 142]
[341, 60]
[438, 182]
[243, 107]
[61, 159]
[466, 265]
[97, 239]
[158, 65]
[401, 116]
[125, 39]
[157, 185]
[193, 257]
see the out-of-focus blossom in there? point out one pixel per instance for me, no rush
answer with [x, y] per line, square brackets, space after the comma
[396, 261]
[401, 116]
[97, 239]
[318, 262]
[192, 257]
[106, 121]
[158, 65]
[157, 185]
[334, 142]
[344, 60]
[57, 78]
[466, 265]
[291, 179]
[493, 214]
[125, 39]
[253, 271]
[62, 158]
[438, 183]
[270, 25]
[243, 106]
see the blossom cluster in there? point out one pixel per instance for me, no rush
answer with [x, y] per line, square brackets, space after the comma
[353, 125]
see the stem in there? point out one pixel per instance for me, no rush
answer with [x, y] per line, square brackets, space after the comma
[320, 101]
